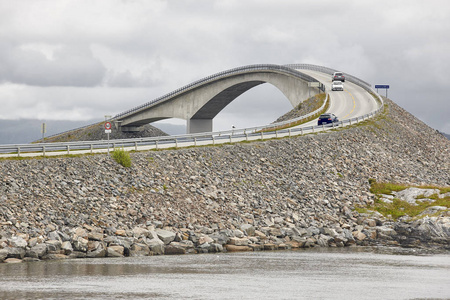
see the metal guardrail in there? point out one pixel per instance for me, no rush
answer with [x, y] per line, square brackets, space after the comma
[330, 71]
[199, 139]
[207, 138]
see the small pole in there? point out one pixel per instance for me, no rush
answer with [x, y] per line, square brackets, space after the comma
[108, 142]
[107, 128]
[43, 130]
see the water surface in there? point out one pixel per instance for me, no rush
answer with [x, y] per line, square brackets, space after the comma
[318, 273]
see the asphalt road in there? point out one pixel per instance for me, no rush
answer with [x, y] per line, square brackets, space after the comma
[352, 102]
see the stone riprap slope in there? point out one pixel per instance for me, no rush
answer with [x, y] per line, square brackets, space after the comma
[278, 194]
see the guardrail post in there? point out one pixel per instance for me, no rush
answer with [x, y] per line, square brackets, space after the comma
[289, 130]
[231, 141]
[214, 139]
[276, 133]
[195, 141]
[68, 149]
[156, 144]
[18, 151]
[246, 136]
[262, 135]
[301, 131]
[135, 146]
[92, 148]
[43, 150]
[176, 143]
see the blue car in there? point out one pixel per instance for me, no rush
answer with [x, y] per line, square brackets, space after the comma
[327, 119]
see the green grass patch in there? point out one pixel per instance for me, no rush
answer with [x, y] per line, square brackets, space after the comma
[386, 188]
[399, 208]
[122, 157]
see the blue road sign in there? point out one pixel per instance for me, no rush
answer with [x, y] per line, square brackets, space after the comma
[384, 86]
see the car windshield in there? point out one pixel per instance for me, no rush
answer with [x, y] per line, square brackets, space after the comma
[324, 116]
[337, 83]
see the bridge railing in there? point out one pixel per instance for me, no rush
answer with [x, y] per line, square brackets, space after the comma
[218, 76]
[330, 71]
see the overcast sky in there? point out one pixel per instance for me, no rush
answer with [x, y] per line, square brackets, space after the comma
[84, 59]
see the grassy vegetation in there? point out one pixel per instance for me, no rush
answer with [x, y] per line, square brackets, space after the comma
[319, 99]
[399, 208]
[122, 157]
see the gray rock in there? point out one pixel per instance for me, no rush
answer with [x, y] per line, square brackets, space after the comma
[80, 245]
[15, 252]
[410, 195]
[96, 249]
[238, 233]
[53, 245]
[156, 246]
[115, 251]
[248, 229]
[17, 242]
[174, 248]
[138, 249]
[67, 247]
[166, 236]
[140, 232]
[37, 251]
[3, 254]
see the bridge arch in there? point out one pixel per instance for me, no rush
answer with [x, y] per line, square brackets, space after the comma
[201, 101]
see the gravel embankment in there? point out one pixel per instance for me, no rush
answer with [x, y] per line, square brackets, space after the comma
[278, 194]
[96, 132]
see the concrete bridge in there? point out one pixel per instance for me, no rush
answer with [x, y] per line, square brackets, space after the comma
[199, 102]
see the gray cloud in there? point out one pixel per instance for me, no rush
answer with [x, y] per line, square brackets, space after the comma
[97, 52]
[68, 66]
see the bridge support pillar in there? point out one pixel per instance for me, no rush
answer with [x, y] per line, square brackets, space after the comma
[199, 125]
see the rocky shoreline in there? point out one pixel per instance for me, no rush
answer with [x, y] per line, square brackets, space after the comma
[279, 194]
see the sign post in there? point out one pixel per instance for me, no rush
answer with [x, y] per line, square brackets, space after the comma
[108, 131]
[382, 86]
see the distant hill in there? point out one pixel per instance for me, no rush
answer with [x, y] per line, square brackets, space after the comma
[25, 131]
[96, 132]
[446, 135]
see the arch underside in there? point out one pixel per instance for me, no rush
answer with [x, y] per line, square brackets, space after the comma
[200, 105]
[222, 99]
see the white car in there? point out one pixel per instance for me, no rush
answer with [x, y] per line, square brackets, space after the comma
[337, 86]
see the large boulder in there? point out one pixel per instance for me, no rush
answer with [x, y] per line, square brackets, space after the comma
[17, 242]
[15, 252]
[139, 249]
[248, 229]
[175, 248]
[166, 236]
[115, 251]
[80, 244]
[96, 249]
[37, 251]
[156, 246]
